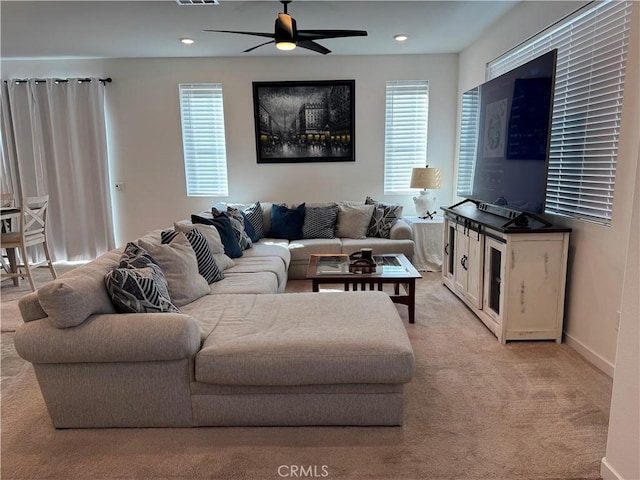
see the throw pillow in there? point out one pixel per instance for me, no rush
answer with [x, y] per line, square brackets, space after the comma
[208, 231]
[248, 227]
[287, 222]
[180, 267]
[139, 290]
[237, 222]
[384, 217]
[135, 257]
[254, 214]
[320, 222]
[206, 264]
[353, 220]
[223, 225]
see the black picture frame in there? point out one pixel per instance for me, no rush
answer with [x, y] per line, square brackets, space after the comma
[304, 121]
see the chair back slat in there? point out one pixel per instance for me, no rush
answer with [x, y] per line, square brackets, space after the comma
[34, 213]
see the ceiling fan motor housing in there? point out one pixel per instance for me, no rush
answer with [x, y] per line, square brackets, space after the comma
[285, 29]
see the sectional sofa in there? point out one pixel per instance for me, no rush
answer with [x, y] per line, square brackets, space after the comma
[233, 352]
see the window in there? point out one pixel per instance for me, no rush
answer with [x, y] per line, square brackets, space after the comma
[405, 141]
[592, 49]
[203, 142]
[468, 141]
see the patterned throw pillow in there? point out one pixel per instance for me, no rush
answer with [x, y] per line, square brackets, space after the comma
[237, 222]
[320, 222]
[253, 213]
[139, 290]
[138, 284]
[135, 257]
[207, 266]
[384, 217]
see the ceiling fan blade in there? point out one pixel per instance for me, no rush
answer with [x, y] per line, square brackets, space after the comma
[316, 47]
[320, 34]
[258, 46]
[256, 34]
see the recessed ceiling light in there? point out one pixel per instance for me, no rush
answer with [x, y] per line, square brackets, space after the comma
[401, 37]
[187, 41]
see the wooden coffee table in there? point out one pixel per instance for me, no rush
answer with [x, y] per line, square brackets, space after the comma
[394, 269]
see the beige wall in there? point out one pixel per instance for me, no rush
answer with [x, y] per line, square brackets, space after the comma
[597, 253]
[146, 143]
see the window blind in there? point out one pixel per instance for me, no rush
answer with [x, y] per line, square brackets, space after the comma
[468, 141]
[405, 140]
[592, 50]
[203, 139]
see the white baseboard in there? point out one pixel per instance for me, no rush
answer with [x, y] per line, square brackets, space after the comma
[601, 363]
[607, 472]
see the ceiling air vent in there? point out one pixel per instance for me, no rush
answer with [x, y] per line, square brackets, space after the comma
[197, 2]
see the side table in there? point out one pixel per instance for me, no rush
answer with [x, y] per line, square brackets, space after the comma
[428, 237]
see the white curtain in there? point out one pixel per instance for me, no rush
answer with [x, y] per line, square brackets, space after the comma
[54, 143]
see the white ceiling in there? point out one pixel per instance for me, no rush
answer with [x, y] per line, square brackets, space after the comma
[148, 28]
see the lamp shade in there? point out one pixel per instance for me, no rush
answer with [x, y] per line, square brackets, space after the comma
[425, 178]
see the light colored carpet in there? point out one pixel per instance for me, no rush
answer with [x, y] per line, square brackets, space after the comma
[475, 410]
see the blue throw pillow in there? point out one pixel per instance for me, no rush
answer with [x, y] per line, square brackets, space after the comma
[287, 222]
[248, 227]
[223, 225]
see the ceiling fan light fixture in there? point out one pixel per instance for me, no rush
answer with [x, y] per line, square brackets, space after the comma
[286, 34]
[401, 37]
[187, 41]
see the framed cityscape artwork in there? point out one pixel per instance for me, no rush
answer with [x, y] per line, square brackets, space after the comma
[311, 121]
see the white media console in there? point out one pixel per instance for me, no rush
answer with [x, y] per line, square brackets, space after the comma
[509, 269]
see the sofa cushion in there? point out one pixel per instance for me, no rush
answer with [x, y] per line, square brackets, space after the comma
[302, 249]
[180, 267]
[139, 290]
[262, 264]
[269, 248]
[302, 339]
[253, 282]
[73, 297]
[287, 222]
[320, 222]
[253, 213]
[222, 223]
[380, 246]
[207, 266]
[353, 220]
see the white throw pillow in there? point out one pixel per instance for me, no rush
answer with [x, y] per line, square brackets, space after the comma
[178, 262]
[353, 220]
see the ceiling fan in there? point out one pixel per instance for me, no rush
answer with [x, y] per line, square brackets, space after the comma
[286, 36]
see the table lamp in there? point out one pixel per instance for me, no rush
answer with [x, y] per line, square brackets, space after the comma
[427, 179]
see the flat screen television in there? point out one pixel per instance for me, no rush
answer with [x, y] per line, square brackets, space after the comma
[514, 125]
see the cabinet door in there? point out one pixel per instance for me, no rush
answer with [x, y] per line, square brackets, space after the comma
[494, 273]
[475, 270]
[449, 252]
[461, 245]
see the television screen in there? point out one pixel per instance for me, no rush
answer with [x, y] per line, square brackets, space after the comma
[513, 136]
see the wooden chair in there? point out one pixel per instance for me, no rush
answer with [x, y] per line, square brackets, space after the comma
[29, 231]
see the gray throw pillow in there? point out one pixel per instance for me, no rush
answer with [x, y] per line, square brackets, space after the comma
[180, 267]
[207, 266]
[353, 220]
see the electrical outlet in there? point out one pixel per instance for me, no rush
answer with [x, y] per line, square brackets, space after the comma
[119, 186]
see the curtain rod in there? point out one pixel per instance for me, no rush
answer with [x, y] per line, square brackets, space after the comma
[62, 80]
